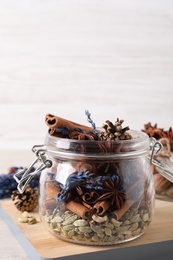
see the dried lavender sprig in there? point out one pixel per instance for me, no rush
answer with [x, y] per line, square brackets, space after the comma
[63, 130]
[83, 179]
[8, 183]
[67, 131]
[89, 119]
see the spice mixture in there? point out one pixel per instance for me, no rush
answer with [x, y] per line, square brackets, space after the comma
[100, 201]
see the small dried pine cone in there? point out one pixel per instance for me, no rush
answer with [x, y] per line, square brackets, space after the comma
[27, 201]
[114, 137]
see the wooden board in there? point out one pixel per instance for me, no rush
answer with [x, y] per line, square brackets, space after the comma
[40, 244]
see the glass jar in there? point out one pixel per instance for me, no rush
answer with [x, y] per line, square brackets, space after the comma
[97, 192]
[163, 185]
[162, 168]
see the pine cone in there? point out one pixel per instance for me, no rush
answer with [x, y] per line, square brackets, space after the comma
[114, 131]
[27, 201]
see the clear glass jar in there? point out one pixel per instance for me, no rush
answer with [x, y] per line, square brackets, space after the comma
[163, 186]
[97, 192]
[162, 168]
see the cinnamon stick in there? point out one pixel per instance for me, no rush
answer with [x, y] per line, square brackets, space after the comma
[49, 203]
[86, 205]
[90, 197]
[127, 205]
[52, 190]
[55, 122]
[100, 207]
[120, 212]
[79, 209]
[82, 211]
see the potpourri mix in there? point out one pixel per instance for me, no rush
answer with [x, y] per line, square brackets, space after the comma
[100, 189]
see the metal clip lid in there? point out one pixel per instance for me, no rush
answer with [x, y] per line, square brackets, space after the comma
[164, 165]
[24, 176]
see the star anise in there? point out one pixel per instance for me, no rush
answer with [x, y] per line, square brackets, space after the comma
[154, 131]
[88, 197]
[169, 134]
[158, 133]
[113, 192]
[83, 135]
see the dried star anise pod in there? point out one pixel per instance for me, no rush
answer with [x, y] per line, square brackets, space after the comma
[158, 133]
[154, 131]
[83, 135]
[169, 135]
[113, 191]
[114, 131]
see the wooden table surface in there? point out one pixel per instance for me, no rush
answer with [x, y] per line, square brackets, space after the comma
[114, 58]
[42, 245]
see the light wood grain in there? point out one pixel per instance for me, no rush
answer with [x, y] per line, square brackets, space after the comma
[47, 246]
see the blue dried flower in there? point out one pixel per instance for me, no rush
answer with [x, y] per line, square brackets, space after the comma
[89, 119]
[84, 180]
[63, 130]
[78, 130]
[8, 184]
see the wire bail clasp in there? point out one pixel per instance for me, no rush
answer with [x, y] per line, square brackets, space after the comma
[164, 165]
[155, 148]
[24, 176]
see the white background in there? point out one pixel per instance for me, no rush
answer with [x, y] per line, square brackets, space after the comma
[114, 58]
